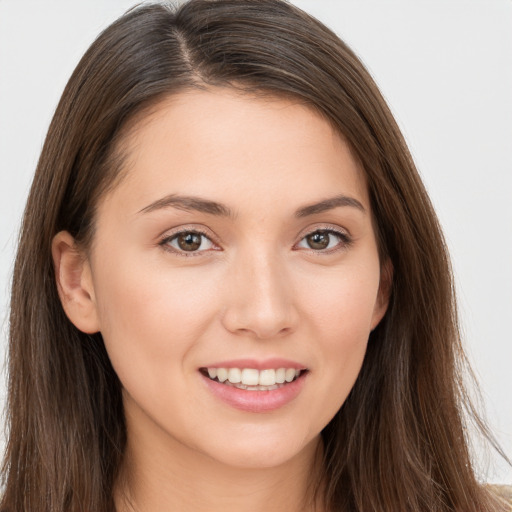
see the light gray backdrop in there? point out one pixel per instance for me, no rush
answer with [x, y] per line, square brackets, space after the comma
[445, 66]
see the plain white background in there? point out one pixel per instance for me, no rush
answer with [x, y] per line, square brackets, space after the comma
[445, 67]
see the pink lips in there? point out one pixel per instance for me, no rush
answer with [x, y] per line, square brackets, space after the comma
[256, 401]
[257, 365]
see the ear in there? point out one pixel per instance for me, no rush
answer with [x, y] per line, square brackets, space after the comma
[384, 293]
[74, 283]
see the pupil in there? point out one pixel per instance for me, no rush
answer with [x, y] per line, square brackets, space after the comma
[189, 241]
[318, 240]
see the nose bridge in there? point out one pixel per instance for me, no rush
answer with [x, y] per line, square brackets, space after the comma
[260, 299]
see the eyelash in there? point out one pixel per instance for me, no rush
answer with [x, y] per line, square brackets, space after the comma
[164, 243]
[344, 243]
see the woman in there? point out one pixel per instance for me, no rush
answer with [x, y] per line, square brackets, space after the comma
[231, 288]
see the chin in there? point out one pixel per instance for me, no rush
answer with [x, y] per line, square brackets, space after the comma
[262, 452]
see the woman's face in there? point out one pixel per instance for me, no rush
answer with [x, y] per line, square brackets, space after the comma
[239, 243]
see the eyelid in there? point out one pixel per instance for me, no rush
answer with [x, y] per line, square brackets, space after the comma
[171, 234]
[343, 233]
[324, 227]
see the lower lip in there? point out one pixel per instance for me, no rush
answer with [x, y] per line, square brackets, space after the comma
[256, 401]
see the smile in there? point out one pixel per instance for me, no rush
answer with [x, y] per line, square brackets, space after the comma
[252, 379]
[255, 390]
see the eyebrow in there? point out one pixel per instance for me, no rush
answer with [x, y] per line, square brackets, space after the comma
[189, 203]
[329, 204]
[193, 203]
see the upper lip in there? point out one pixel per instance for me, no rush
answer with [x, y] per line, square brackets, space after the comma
[257, 364]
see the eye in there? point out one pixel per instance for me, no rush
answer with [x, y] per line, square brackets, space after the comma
[324, 239]
[188, 241]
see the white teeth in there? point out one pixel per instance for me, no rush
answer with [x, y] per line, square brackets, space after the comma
[289, 374]
[234, 375]
[222, 374]
[252, 388]
[252, 379]
[280, 375]
[267, 378]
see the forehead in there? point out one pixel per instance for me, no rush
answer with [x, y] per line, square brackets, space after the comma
[223, 143]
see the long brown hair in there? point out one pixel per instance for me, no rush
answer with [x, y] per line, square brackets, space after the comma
[399, 442]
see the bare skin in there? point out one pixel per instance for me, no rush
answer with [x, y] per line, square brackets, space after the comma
[283, 267]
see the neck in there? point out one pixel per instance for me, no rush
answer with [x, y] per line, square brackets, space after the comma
[161, 474]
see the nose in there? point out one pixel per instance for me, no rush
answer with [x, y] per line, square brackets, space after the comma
[260, 299]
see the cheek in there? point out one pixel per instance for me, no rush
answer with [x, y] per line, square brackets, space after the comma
[151, 316]
[341, 310]
[342, 302]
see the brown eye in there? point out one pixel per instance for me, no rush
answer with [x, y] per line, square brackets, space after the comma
[318, 240]
[188, 241]
[325, 240]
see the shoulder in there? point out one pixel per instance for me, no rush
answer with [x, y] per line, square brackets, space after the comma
[504, 492]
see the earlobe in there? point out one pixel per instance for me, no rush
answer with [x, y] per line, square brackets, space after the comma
[74, 283]
[384, 294]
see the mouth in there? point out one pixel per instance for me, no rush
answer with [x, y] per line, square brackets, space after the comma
[255, 386]
[251, 379]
